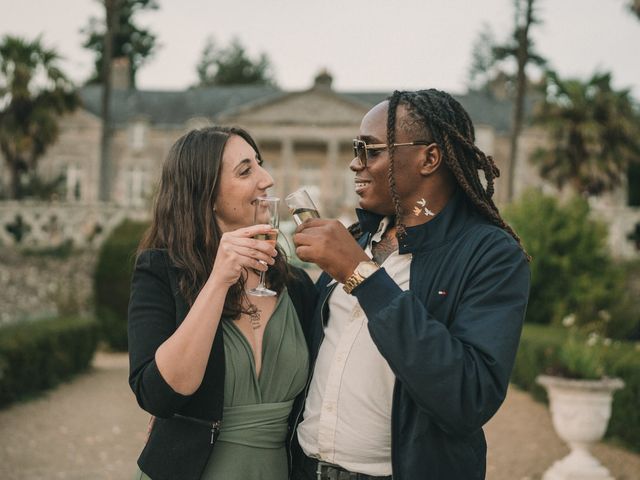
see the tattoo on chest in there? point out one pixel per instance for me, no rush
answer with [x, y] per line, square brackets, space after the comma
[384, 248]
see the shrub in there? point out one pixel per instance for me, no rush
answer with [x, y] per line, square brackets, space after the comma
[112, 282]
[37, 355]
[62, 251]
[539, 348]
[543, 350]
[625, 315]
[624, 363]
[571, 271]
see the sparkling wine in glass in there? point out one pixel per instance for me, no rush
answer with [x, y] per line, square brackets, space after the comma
[301, 206]
[266, 212]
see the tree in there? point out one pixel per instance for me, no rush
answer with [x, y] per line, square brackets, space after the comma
[634, 6]
[489, 65]
[34, 93]
[484, 66]
[111, 15]
[594, 132]
[572, 271]
[520, 49]
[131, 41]
[232, 66]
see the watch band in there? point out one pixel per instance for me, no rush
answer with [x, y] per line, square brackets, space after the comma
[360, 274]
[352, 282]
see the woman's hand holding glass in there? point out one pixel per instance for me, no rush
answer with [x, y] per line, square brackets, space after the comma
[239, 250]
[266, 212]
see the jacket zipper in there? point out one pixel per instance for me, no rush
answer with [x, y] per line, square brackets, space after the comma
[215, 426]
[215, 430]
[306, 388]
[393, 402]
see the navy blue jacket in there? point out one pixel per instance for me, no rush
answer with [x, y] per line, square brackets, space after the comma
[450, 340]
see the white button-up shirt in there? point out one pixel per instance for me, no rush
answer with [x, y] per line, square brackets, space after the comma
[347, 418]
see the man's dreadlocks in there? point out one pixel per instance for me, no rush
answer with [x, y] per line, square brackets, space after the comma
[438, 116]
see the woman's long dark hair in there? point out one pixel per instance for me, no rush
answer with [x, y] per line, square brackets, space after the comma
[184, 221]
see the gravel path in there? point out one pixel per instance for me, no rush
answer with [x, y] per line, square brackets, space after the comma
[92, 429]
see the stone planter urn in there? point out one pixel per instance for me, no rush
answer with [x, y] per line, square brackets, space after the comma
[580, 411]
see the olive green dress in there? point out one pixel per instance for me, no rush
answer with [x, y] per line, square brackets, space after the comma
[251, 445]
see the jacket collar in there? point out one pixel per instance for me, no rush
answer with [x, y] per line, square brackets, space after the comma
[442, 228]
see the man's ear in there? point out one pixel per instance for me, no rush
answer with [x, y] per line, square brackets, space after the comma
[431, 159]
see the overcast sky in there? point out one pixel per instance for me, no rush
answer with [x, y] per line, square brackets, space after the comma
[366, 44]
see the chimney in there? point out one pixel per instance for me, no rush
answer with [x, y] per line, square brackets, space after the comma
[499, 86]
[120, 74]
[323, 80]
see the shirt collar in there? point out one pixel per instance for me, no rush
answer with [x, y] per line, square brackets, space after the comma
[382, 227]
[369, 221]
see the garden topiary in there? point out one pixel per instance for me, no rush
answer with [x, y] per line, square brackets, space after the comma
[112, 282]
[572, 272]
[37, 355]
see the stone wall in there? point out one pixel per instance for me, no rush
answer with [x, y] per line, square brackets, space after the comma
[40, 225]
[36, 285]
[48, 251]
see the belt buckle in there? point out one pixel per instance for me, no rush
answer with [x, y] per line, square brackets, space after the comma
[326, 471]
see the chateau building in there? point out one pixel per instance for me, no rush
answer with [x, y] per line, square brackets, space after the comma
[305, 138]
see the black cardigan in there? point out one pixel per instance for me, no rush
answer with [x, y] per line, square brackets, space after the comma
[185, 429]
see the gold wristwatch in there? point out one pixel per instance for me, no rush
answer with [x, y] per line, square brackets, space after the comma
[363, 271]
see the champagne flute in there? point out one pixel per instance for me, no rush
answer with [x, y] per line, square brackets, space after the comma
[301, 206]
[266, 212]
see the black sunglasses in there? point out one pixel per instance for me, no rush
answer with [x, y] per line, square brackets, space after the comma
[361, 148]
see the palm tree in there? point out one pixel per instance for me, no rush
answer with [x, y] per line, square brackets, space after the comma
[594, 132]
[34, 93]
[112, 9]
[521, 49]
[488, 71]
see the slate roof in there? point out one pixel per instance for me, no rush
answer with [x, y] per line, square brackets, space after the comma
[173, 108]
[483, 108]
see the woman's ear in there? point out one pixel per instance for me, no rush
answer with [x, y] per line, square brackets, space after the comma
[431, 160]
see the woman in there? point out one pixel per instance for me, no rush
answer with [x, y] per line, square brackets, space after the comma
[217, 368]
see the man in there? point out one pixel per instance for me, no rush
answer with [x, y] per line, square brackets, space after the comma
[413, 351]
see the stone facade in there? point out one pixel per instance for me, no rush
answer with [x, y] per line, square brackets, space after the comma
[305, 138]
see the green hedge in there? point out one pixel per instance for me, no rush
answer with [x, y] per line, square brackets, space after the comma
[112, 282]
[540, 352]
[40, 354]
[572, 271]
